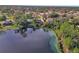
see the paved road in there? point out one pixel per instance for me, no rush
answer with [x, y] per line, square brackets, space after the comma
[37, 41]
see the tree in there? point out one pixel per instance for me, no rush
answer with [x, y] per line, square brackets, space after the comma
[65, 34]
[54, 15]
[2, 18]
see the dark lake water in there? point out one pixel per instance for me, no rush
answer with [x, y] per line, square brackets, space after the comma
[35, 42]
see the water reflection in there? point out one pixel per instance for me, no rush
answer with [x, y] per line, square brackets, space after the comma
[34, 42]
[30, 41]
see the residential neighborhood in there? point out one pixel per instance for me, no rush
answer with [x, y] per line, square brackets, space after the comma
[61, 22]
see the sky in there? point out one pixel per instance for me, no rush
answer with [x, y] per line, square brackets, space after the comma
[41, 2]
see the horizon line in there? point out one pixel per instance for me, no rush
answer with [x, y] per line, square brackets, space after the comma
[42, 5]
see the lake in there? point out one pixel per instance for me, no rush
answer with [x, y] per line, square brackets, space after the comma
[36, 42]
